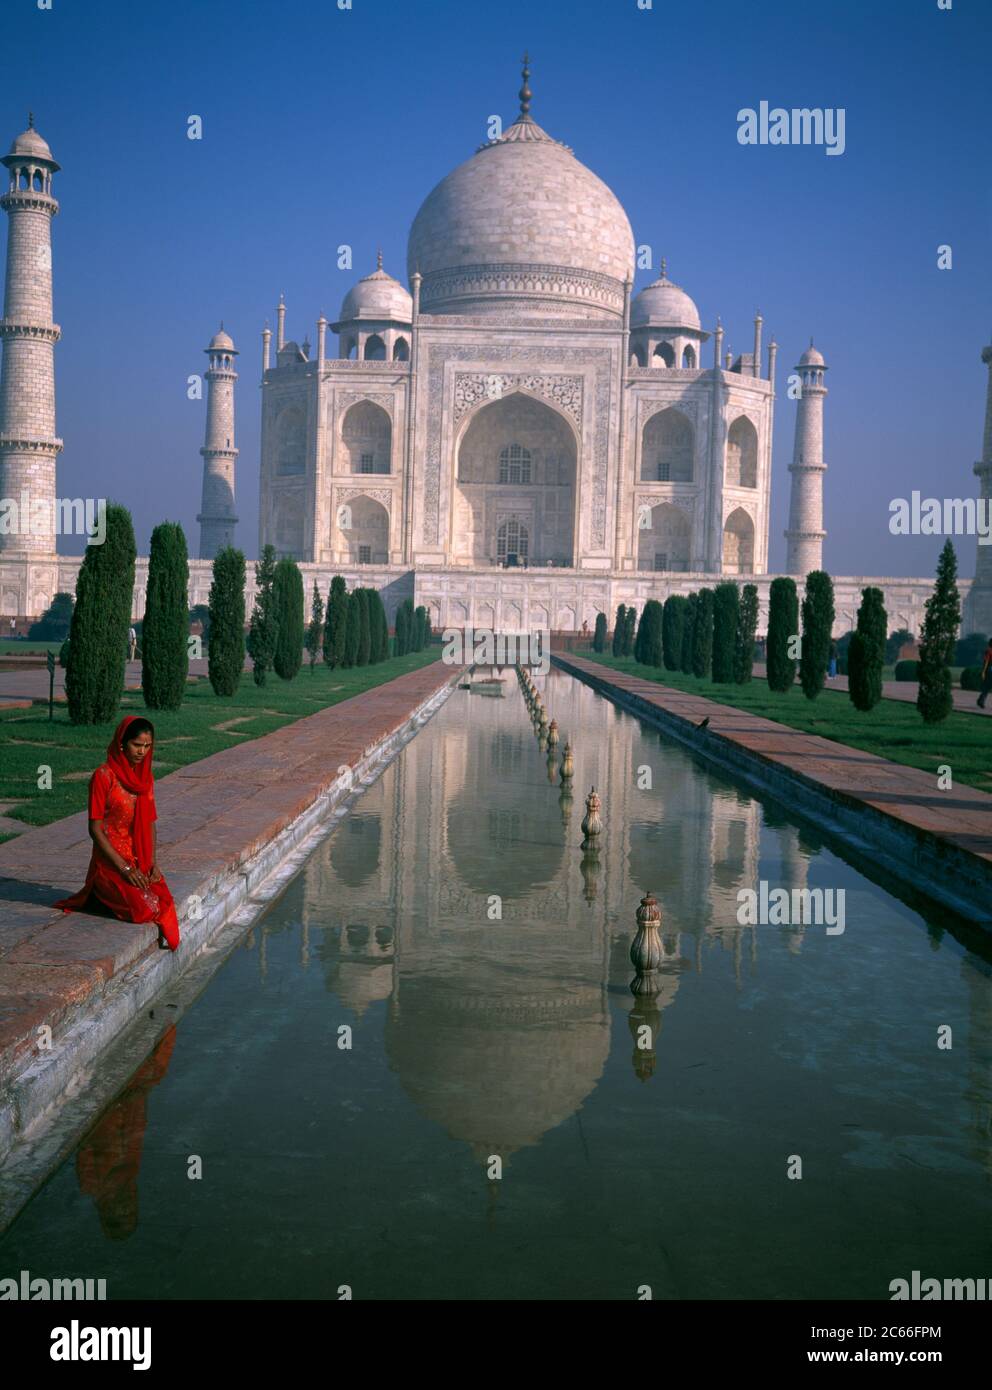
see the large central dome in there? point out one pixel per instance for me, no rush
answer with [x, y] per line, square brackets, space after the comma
[522, 227]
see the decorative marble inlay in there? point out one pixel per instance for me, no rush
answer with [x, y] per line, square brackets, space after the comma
[473, 387]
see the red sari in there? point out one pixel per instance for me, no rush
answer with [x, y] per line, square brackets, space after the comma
[123, 797]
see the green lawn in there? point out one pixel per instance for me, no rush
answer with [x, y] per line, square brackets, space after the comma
[893, 729]
[28, 741]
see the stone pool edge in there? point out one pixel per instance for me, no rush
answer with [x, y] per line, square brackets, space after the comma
[35, 1092]
[924, 859]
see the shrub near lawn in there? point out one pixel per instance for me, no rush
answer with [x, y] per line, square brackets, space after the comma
[907, 671]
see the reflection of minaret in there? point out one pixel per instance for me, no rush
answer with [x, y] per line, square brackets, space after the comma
[805, 534]
[794, 874]
[28, 444]
[217, 519]
[978, 609]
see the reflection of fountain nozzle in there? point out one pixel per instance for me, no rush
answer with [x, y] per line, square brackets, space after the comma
[644, 1022]
[553, 733]
[565, 803]
[589, 868]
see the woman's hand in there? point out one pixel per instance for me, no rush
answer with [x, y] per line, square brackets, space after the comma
[155, 874]
[135, 877]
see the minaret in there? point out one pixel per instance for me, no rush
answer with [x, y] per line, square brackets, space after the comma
[978, 609]
[805, 534]
[28, 443]
[216, 518]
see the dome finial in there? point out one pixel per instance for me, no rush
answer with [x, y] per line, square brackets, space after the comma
[664, 267]
[525, 93]
[378, 258]
[30, 120]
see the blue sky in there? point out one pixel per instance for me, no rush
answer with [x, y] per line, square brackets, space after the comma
[324, 126]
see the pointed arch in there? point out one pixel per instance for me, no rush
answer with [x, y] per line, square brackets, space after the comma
[667, 448]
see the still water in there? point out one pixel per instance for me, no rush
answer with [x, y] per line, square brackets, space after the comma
[482, 967]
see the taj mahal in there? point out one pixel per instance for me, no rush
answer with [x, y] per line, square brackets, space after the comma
[514, 438]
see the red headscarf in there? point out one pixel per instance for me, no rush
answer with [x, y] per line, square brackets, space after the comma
[140, 782]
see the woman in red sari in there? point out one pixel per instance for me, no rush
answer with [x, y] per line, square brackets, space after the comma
[123, 873]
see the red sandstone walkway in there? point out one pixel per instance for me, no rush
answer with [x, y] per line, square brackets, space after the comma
[961, 817]
[213, 815]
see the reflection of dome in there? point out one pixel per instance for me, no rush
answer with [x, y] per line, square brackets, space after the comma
[522, 222]
[498, 1070]
[663, 305]
[361, 983]
[378, 297]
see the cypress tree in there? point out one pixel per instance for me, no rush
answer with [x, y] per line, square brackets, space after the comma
[688, 633]
[226, 652]
[783, 625]
[401, 632]
[421, 628]
[264, 628]
[53, 625]
[364, 628]
[672, 625]
[942, 617]
[726, 618]
[315, 627]
[649, 633]
[629, 627]
[383, 631]
[428, 632]
[866, 651]
[818, 622]
[747, 627]
[702, 635]
[289, 601]
[618, 629]
[352, 631]
[94, 676]
[165, 627]
[334, 625]
[375, 641]
[599, 635]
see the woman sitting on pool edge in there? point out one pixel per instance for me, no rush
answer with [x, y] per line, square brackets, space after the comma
[123, 874]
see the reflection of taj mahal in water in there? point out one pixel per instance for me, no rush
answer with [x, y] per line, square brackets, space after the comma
[517, 441]
[500, 1029]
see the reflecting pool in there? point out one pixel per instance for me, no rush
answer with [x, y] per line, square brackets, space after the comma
[509, 1121]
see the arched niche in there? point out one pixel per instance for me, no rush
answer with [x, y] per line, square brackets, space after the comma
[664, 544]
[363, 525]
[291, 441]
[738, 543]
[516, 470]
[366, 439]
[742, 454]
[667, 446]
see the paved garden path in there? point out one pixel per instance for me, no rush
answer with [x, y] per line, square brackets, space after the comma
[213, 816]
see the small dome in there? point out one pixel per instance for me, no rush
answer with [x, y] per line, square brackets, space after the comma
[663, 304]
[30, 144]
[812, 357]
[221, 342]
[378, 296]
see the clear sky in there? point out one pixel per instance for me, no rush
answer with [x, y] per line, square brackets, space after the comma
[324, 126]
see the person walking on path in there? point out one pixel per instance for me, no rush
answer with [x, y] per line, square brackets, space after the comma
[986, 674]
[123, 873]
[132, 643]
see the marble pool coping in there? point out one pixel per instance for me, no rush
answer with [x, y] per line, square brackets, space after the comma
[232, 828]
[937, 842]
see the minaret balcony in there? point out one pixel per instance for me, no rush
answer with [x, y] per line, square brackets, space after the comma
[26, 328]
[23, 444]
